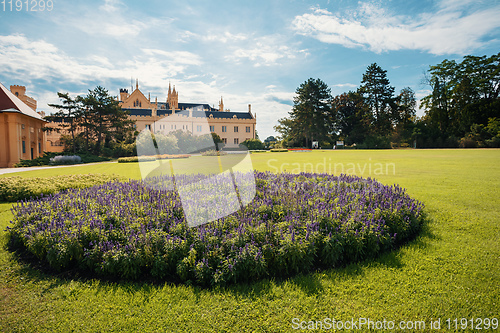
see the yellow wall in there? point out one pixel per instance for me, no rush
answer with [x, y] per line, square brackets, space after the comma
[13, 134]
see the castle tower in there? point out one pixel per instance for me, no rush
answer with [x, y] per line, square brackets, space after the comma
[172, 98]
[20, 92]
[123, 94]
[221, 104]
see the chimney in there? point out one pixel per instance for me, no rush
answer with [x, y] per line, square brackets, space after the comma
[249, 108]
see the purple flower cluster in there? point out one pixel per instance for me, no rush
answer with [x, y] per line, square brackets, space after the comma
[295, 223]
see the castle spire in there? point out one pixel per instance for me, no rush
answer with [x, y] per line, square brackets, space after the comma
[221, 104]
[136, 83]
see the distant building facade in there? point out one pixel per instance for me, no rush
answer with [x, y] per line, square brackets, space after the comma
[21, 127]
[168, 116]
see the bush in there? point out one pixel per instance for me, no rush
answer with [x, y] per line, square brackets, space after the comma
[64, 159]
[252, 144]
[295, 223]
[45, 159]
[39, 161]
[213, 152]
[375, 142]
[133, 159]
[467, 142]
[279, 150]
[19, 188]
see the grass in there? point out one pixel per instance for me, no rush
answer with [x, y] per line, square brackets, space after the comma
[450, 271]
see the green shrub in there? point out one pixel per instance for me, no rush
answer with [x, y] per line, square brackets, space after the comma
[18, 188]
[133, 159]
[213, 152]
[279, 150]
[45, 159]
[253, 144]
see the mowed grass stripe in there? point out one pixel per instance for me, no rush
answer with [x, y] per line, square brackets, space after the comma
[450, 271]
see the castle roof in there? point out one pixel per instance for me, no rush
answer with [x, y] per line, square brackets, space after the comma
[11, 103]
[139, 112]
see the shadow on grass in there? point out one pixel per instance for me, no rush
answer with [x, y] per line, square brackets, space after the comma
[33, 270]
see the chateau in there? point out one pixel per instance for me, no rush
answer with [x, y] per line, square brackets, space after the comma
[22, 136]
[232, 127]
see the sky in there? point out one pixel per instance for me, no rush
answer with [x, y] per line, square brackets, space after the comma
[247, 52]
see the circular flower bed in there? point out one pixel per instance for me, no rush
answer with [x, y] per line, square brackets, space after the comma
[296, 223]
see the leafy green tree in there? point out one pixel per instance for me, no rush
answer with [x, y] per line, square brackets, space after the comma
[352, 116]
[290, 131]
[217, 141]
[379, 95]
[463, 94]
[405, 116]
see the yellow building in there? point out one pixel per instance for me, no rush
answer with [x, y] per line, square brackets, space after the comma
[21, 134]
[232, 127]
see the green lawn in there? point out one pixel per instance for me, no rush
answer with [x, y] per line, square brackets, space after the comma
[451, 271]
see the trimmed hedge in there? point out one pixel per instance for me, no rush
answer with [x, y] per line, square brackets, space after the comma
[19, 188]
[213, 152]
[133, 159]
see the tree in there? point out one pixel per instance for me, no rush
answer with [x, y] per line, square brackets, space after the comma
[217, 141]
[104, 118]
[289, 130]
[96, 117]
[406, 104]
[311, 112]
[353, 118]
[69, 113]
[463, 94]
[379, 95]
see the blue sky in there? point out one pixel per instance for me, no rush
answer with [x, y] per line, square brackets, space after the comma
[249, 52]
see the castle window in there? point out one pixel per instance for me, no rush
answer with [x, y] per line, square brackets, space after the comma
[24, 147]
[224, 129]
[198, 128]
[17, 94]
[212, 128]
[236, 141]
[248, 129]
[39, 147]
[148, 127]
[224, 140]
[235, 129]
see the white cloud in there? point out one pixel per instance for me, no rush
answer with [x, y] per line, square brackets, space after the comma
[111, 6]
[447, 31]
[28, 60]
[343, 85]
[264, 51]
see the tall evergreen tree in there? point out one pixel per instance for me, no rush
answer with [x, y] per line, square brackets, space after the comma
[69, 113]
[379, 95]
[311, 110]
[104, 118]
